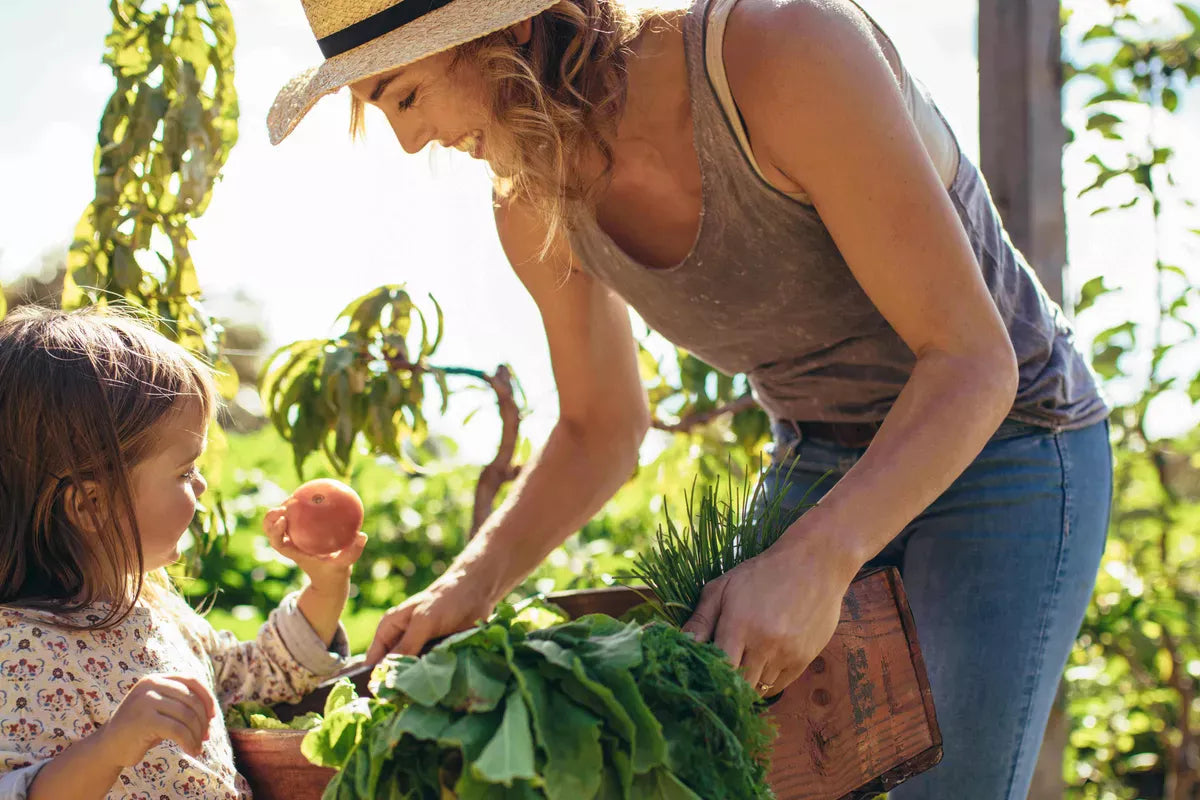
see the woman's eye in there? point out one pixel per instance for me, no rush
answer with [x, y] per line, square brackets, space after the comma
[408, 102]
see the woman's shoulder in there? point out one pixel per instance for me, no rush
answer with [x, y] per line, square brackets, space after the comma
[772, 27]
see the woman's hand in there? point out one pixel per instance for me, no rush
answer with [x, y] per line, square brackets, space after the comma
[453, 602]
[773, 614]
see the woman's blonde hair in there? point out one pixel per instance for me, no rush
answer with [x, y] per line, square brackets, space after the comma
[557, 100]
[81, 394]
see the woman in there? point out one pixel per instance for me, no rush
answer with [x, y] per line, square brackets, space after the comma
[764, 183]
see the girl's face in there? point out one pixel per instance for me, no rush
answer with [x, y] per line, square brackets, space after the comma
[432, 100]
[166, 484]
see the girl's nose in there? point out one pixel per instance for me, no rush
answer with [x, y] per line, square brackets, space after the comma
[199, 485]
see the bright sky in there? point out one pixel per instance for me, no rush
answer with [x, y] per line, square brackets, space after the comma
[308, 226]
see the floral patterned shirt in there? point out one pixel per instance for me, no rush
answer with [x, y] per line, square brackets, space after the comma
[58, 685]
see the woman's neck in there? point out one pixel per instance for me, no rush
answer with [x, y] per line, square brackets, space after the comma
[654, 106]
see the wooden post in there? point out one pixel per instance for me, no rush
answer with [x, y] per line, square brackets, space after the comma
[1020, 128]
[1021, 137]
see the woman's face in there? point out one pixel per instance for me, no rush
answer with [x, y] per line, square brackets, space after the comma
[432, 100]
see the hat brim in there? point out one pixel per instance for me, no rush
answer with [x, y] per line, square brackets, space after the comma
[455, 23]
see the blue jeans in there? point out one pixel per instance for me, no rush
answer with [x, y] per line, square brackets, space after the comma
[999, 571]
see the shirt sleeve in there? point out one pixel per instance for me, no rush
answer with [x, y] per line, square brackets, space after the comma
[15, 785]
[286, 661]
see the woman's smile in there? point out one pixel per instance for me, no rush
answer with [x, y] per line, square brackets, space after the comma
[470, 143]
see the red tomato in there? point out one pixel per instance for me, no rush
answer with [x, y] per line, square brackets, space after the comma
[323, 516]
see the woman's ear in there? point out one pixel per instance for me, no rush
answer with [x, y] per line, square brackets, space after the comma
[84, 506]
[522, 31]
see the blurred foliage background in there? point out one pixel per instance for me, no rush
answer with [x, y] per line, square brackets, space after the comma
[355, 404]
[1131, 682]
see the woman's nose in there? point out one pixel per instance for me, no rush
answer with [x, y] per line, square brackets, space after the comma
[412, 134]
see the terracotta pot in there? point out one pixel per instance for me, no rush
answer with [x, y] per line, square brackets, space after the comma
[276, 770]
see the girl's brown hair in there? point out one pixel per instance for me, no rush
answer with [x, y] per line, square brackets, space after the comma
[557, 99]
[81, 393]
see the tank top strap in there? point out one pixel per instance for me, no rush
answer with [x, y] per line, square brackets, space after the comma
[723, 159]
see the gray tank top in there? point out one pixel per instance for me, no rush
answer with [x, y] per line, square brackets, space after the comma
[765, 291]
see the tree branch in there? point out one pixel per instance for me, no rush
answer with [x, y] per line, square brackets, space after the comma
[697, 418]
[1181, 779]
[501, 469]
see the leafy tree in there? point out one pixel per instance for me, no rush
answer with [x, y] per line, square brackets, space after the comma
[164, 136]
[1133, 678]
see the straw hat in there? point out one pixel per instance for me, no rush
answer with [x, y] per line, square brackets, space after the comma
[361, 38]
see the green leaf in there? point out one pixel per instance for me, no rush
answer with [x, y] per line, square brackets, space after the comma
[1122, 331]
[363, 312]
[305, 722]
[600, 700]
[1105, 361]
[1190, 14]
[480, 681]
[661, 785]
[509, 755]
[265, 722]
[331, 744]
[437, 336]
[1098, 32]
[339, 695]
[1103, 121]
[599, 640]
[1111, 96]
[420, 721]
[125, 270]
[649, 746]
[553, 652]
[425, 680]
[569, 735]
[471, 733]
[471, 787]
[1090, 292]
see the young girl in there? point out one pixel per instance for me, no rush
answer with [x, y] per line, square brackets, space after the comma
[112, 687]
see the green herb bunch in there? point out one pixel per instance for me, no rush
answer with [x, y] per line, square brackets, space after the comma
[723, 531]
[593, 708]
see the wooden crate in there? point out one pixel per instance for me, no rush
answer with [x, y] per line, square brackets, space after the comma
[858, 722]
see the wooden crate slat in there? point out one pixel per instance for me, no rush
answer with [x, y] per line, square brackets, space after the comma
[862, 712]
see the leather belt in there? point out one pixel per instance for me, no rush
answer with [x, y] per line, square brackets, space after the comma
[846, 434]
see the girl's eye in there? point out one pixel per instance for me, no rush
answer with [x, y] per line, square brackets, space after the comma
[190, 474]
[408, 102]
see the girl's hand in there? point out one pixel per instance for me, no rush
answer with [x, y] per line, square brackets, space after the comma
[327, 572]
[772, 615]
[158, 707]
[452, 603]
